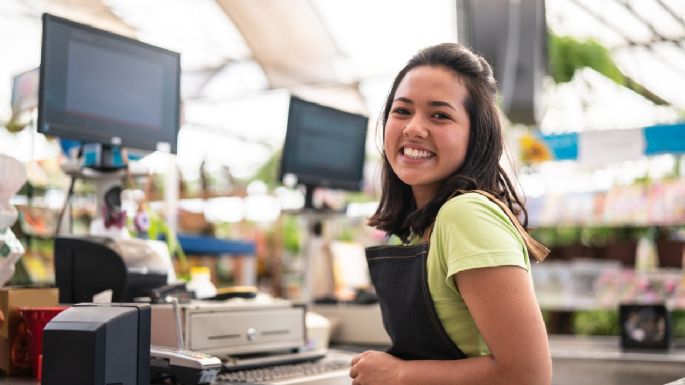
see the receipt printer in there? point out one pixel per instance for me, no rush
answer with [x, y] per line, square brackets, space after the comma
[98, 344]
[87, 266]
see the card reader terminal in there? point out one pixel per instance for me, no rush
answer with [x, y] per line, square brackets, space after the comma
[187, 367]
[184, 366]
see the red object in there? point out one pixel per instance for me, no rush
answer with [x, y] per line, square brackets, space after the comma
[36, 318]
[39, 368]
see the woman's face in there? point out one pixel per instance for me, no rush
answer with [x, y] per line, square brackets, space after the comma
[427, 132]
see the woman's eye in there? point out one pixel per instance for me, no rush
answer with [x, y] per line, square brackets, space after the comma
[440, 115]
[401, 111]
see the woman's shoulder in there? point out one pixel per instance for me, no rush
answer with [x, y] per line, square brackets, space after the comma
[470, 201]
[472, 210]
[473, 221]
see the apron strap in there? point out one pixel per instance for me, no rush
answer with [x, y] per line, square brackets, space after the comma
[535, 248]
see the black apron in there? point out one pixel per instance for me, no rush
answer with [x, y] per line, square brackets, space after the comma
[409, 316]
[399, 276]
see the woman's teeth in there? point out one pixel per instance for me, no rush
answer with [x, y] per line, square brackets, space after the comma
[417, 154]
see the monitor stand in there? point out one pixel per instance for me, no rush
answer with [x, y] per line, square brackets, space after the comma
[309, 197]
[321, 208]
[104, 181]
[318, 268]
[105, 166]
[103, 157]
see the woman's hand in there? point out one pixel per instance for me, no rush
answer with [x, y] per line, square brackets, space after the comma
[375, 368]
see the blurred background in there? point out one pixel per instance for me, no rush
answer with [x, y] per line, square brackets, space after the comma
[592, 99]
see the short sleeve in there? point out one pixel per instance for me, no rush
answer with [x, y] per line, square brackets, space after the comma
[473, 232]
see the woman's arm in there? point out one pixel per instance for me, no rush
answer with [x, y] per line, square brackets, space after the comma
[503, 305]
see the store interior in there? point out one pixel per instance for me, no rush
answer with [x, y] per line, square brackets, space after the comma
[238, 195]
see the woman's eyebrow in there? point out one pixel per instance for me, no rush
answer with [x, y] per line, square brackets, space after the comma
[403, 99]
[439, 103]
[432, 103]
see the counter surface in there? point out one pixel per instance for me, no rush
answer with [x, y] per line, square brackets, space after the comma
[608, 348]
[577, 360]
[600, 360]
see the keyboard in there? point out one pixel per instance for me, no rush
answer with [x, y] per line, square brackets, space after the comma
[333, 369]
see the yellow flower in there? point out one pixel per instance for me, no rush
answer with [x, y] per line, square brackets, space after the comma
[534, 150]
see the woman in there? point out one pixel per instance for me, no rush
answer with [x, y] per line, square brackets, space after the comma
[462, 311]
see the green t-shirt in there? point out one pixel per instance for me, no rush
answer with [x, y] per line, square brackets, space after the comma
[470, 231]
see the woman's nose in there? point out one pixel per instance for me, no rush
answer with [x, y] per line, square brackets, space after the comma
[415, 128]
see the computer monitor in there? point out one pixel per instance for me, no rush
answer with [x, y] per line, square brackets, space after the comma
[324, 147]
[99, 87]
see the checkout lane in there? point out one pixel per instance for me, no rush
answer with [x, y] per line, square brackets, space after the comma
[576, 360]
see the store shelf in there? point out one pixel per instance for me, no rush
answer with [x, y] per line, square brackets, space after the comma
[602, 285]
[203, 245]
[658, 204]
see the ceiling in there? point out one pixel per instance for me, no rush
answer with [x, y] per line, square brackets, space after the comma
[242, 58]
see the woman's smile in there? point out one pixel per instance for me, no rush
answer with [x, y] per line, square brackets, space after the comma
[413, 153]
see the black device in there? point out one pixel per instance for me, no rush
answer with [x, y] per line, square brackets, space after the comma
[324, 147]
[176, 289]
[98, 344]
[86, 266]
[103, 88]
[645, 326]
[512, 36]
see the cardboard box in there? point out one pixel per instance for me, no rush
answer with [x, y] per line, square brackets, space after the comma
[14, 355]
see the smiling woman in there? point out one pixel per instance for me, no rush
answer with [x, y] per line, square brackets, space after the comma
[464, 269]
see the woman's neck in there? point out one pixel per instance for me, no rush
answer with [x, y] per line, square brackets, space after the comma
[423, 195]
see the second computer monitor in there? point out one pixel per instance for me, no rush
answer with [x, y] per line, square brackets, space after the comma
[324, 147]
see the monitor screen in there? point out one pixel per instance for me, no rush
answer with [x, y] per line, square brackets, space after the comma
[324, 146]
[99, 87]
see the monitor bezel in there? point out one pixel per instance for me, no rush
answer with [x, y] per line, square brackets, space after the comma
[315, 180]
[83, 133]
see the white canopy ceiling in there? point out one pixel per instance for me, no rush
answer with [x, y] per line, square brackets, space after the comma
[241, 58]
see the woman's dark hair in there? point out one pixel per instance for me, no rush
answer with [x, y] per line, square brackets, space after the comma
[397, 212]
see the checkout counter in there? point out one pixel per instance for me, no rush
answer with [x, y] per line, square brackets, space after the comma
[576, 360]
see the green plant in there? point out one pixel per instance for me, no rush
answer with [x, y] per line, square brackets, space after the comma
[159, 228]
[678, 323]
[567, 55]
[595, 236]
[291, 234]
[544, 235]
[268, 173]
[629, 233]
[596, 323]
[347, 234]
[568, 236]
